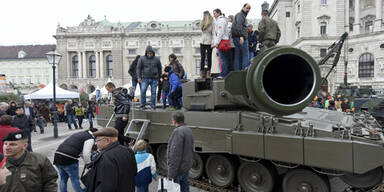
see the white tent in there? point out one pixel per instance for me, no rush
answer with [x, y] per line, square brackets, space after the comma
[47, 93]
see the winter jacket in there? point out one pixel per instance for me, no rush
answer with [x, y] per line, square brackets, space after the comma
[269, 30]
[221, 27]
[165, 83]
[252, 40]
[4, 131]
[146, 168]
[23, 122]
[148, 68]
[34, 173]
[180, 151]
[239, 25]
[207, 35]
[132, 70]
[122, 101]
[41, 122]
[174, 81]
[113, 170]
[178, 69]
[79, 111]
[69, 109]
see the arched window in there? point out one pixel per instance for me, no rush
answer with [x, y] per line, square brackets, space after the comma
[366, 65]
[75, 66]
[92, 66]
[109, 66]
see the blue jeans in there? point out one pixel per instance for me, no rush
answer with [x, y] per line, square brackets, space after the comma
[90, 119]
[142, 189]
[241, 54]
[71, 119]
[224, 63]
[71, 171]
[251, 55]
[164, 97]
[182, 179]
[144, 86]
[29, 147]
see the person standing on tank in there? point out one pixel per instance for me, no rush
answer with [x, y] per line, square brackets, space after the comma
[148, 73]
[180, 152]
[132, 73]
[239, 32]
[122, 100]
[206, 26]
[269, 32]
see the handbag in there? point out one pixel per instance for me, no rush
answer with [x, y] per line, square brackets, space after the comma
[224, 45]
[166, 185]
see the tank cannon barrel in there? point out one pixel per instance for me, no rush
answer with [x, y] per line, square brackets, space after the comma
[280, 81]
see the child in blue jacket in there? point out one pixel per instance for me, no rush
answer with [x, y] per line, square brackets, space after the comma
[146, 167]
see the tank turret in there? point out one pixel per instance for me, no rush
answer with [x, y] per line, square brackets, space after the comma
[280, 81]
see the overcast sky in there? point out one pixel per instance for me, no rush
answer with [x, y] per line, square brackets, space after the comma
[25, 22]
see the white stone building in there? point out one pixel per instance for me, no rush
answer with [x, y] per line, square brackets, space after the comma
[95, 51]
[26, 66]
[313, 25]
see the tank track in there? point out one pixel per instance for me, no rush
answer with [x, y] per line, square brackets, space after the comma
[205, 185]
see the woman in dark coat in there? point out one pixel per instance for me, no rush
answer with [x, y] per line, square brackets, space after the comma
[44, 111]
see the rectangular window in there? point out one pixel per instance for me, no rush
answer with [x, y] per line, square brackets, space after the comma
[132, 51]
[176, 50]
[323, 52]
[368, 26]
[323, 2]
[287, 14]
[323, 28]
[197, 61]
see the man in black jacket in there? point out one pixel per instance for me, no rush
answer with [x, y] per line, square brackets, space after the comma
[122, 100]
[114, 169]
[69, 108]
[25, 123]
[148, 73]
[239, 32]
[132, 72]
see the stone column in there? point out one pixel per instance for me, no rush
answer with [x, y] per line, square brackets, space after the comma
[97, 64]
[379, 16]
[84, 64]
[69, 63]
[356, 25]
[101, 64]
[346, 7]
[79, 64]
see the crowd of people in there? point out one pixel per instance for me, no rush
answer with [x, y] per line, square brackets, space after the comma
[234, 39]
[338, 103]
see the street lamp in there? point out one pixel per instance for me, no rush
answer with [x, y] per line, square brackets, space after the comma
[54, 59]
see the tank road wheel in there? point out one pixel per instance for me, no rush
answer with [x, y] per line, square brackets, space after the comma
[161, 156]
[220, 170]
[256, 177]
[197, 166]
[364, 181]
[303, 180]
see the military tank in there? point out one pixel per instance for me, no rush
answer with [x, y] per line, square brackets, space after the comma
[253, 129]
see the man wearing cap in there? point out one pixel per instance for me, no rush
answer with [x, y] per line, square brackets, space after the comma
[67, 154]
[269, 32]
[30, 171]
[25, 123]
[114, 169]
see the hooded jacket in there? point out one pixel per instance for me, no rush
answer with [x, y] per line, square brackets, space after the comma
[174, 81]
[148, 68]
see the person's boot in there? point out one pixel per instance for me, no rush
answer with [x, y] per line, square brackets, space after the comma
[202, 74]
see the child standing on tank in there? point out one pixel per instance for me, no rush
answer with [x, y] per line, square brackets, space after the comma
[165, 82]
